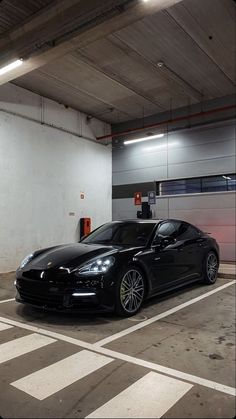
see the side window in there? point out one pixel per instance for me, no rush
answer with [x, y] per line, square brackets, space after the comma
[187, 232]
[168, 228]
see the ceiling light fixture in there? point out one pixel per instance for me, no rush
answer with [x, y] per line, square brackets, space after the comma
[10, 67]
[227, 177]
[161, 146]
[139, 140]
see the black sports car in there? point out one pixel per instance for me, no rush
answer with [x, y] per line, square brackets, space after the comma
[118, 266]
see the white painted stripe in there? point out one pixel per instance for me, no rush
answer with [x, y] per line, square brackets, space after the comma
[173, 310]
[21, 346]
[4, 326]
[150, 397]
[45, 332]
[151, 365]
[171, 372]
[47, 381]
[6, 301]
[137, 361]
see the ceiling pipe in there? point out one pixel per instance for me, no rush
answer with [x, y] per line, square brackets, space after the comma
[167, 121]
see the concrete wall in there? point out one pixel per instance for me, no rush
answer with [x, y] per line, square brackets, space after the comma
[43, 170]
[209, 150]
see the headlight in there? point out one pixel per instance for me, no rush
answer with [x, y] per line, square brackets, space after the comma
[26, 260]
[97, 266]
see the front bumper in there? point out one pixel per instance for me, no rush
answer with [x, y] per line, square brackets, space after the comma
[90, 294]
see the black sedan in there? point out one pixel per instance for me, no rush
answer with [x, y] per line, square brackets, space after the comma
[118, 266]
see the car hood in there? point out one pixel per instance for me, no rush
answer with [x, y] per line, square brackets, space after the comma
[68, 256]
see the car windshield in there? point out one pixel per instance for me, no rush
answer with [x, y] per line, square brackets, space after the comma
[126, 234]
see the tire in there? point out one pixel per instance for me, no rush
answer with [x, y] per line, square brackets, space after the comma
[130, 292]
[210, 268]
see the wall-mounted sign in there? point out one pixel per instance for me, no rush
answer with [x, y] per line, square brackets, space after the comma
[151, 197]
[138, 198]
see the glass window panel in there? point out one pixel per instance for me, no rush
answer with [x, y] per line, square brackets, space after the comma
[231, 181]
[214, 184]
[197, 185]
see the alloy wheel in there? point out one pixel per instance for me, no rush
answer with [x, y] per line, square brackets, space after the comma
[212, 267]
[132, 291]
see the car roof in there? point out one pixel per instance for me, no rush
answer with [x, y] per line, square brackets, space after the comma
[138, 221]
[150, 220]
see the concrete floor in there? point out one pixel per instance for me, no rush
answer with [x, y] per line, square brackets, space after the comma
[176, 358]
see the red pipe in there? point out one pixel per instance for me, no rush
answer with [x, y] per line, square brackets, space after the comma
[168, 121]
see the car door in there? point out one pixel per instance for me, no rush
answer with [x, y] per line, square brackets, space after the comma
[190, 252]
[163, 262]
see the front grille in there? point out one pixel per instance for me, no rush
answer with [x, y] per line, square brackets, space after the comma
[41, 299]
[44, 295]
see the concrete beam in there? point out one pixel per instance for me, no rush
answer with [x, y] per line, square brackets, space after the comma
[43, 27]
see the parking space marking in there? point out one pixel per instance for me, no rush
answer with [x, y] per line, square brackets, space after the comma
[173, 310]
[47, 381]
[7, 301]
[4, 326]
[23, 345]
[118, 355]
[46, 332]
[150, 397]
[171, 372]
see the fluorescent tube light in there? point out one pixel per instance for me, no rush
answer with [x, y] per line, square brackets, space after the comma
[161, 146]
[139, 140]
[227, 177]
[10, 67]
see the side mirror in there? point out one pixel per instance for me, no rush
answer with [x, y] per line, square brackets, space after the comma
[164, 242]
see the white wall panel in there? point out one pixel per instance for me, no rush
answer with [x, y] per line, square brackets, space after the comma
[42, 172]
[206, 134]
[181, 154]
[211, 200]
[200, 151]
[139, 160]
[213, 213]
[202, 167]
[227, 251]
[140, 175]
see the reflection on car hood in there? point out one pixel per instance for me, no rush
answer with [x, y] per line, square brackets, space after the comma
[68, 256]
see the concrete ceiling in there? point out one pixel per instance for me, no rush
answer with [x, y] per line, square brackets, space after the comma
[110, 70]
[13, 12]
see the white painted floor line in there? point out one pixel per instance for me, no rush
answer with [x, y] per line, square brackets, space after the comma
[171, 372]
[47, 381]
[117, 355]
[45, 332]
[7, 301]
[4, 326]
[150, 397]
[173, 310]
[21, 346]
